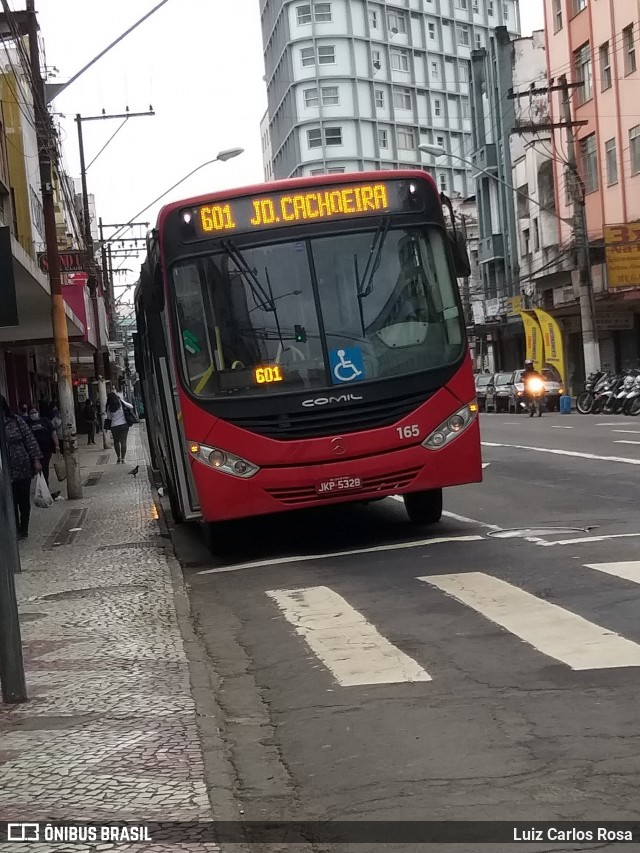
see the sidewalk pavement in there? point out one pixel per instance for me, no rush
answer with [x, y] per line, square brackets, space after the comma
[109, 731]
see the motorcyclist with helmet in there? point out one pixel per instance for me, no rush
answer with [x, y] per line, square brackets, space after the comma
[533, 387]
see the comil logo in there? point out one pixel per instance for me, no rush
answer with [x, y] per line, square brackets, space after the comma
[23, 832]
[327, 401]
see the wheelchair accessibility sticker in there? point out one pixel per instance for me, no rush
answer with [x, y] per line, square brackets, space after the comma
[347, 365]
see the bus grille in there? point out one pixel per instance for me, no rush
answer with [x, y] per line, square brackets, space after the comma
[330, 420]
[370, 487]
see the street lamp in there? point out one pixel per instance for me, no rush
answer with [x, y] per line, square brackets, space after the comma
[223, 156]
[437, 151]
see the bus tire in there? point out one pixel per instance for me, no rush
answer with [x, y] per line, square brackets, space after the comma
[211, 535]
[424, 507]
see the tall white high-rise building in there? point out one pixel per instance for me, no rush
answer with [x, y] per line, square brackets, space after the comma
[355, 85]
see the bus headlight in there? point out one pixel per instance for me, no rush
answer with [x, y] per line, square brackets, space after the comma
[453, 426]
[222, 460]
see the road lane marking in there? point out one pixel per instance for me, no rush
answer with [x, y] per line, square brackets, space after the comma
[625, 441]
[550, 629]
[347, 644]
[557, 426]
[584, 539]
[486, 464]
[303, 558]
[557, 452]
[609, 423]
[629, 570]
[629, 431]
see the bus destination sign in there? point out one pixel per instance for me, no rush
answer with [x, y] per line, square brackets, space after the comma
[278, 210]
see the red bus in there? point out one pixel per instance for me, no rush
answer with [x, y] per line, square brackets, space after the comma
[302, 343]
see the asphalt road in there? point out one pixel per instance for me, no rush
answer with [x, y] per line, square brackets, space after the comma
[469, 671]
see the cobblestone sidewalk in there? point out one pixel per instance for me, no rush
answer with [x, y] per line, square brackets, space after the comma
[109, 732]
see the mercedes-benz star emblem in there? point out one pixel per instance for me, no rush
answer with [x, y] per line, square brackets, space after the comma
[337, 445]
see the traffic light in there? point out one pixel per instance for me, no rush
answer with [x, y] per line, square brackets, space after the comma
[301, 334]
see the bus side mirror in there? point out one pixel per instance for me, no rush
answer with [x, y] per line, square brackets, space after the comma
[460, 255]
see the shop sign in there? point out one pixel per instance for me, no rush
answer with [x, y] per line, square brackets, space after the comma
[622, 250]
[606, 321]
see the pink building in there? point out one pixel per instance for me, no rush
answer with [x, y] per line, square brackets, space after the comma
[596, 45]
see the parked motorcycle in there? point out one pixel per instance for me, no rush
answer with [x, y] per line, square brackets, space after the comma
[584, 400]
[617, 404]
[632, 403]
[605, 393]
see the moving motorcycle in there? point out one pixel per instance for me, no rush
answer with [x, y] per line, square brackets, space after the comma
[535, 391]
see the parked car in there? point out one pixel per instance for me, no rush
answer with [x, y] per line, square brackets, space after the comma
[505, 392]
[554, 389]
[484, 382]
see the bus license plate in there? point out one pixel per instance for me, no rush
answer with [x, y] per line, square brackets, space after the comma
[338, 484]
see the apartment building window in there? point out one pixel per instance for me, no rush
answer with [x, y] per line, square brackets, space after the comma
[589, 158]
[629, 50]
[333, 136]
[396, 22]
[383, 138]
[536, 236]
[612, 161]
[490, 8]
[476, 6]
[432, 31]
[373, 19]
[335, 170]
[376, 59]
[314, 138]
[557, 15]
[308, 56]
[311, 97]
[405, 138]
[466, 112]
[327, 54]
[605, 65]
[330, 96]
[379, 98]
[322, 13]
[443, 183]
[584, 73]
[464, 72]
[578, 6]
[402, 99]
[440, 141]
[435, 71]
[437, 107]
[399, 60]
[478, 41]
[634, 149]
[462, 4]
[505, 9]
[463, 36]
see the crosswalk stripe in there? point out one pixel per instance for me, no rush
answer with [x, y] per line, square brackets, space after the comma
[550, 629]
[629, 570]
[348, 645]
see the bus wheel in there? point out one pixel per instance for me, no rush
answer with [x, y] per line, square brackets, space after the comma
[424, 507]
[211, 535]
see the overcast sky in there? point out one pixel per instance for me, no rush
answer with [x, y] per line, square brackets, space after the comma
[198, 62]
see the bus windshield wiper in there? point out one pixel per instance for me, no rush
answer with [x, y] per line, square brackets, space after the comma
[365, 287]
[264, 300]
[259, 293]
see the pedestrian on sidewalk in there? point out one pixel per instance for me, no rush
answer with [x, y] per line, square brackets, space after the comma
[24, 462]
[56, 420]
[47, 439]
[89, 414]
[120, 417]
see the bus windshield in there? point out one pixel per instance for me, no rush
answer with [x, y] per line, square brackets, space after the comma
[317, 313]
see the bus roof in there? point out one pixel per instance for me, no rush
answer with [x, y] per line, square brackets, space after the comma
[292, 183]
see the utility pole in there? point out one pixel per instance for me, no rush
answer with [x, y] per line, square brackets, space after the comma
[581, 232]
[46, 151]
[12, 679]
[102, 372]
[590, 345]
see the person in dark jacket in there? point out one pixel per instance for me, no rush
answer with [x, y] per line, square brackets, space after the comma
[24, 461]
[47, 439]
[90, 417]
